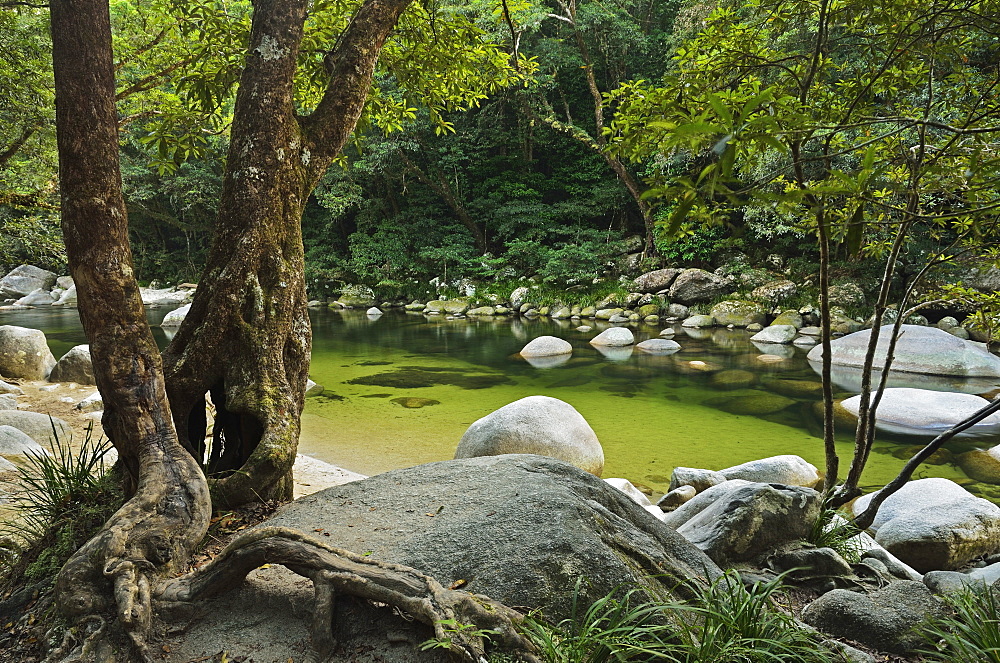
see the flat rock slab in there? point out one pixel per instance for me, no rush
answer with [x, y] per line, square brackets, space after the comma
[521, 529]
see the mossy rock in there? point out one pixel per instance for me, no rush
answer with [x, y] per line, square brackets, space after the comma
[793, 318]
[648, 309]
[738, 313]
[415, 402]
[939, 457]
[795, 388]
[732, 379]
[751, 403]
[981, 465]
[608, 313]
[415, 377]
[450, 306]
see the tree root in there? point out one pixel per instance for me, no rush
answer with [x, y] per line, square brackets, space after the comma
[333, 570]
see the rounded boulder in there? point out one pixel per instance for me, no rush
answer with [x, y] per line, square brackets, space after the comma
[24, 353]
[614, 337]
[535, 425]
[74, 366]
[546, 346]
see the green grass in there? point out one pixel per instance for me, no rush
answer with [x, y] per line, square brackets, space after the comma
[971, 634]
[832, 530]
[726, 622]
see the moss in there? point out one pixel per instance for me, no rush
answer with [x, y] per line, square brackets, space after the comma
[415, 377]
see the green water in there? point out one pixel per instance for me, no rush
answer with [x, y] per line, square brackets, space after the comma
[651, 413]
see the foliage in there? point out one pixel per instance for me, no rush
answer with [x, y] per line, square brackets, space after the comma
[453, 626]
[832, 530]
[66, 498]
[971, 634]
[725, 622]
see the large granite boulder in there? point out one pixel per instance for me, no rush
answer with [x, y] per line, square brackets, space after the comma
[175, 317]
[74, 366]
[697, 285]
[935, 524]
[535, 425]
[614, 337]
[24, 353]
[886, 619]
[520, 529]
[739, 521]
[38, 426]
[657, 280]
[15, 442]
[67, 297]
[24, 280]
[546, 346]
[849, 295]
[907, 411]
[357, 296]
[38, 297]
[918, 350]
[788, 469]
[738, 313]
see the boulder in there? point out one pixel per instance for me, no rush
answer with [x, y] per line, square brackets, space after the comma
[24, 280]
[775, 291]
[535, 425]
[357, 296]
[919, 350]
[374, 312]
[520, 529]
[848, 295]
[698, 479]
[659, 346]
[38, 297]
[24, 353]
[790, 317]
[74, 366]
[775, 334]
[67, 298]
[546, 346]
[15, 442]
[676, 497]
[699, 321]
[697, 285]
[449, 306]
[8, 388]
[676, 311]
[95, 402]
[907, 411]
[733, 378]
[614, 337]
[738, 313]
[935, 524]
[8, 402]
[38, 426]
[886, 619]
[519, 296]
[175, 317]
[608, 313]
[635, 495]
[656, 281]
[811, 563]
[788, 469]
[747, 520]
[981, 464]
[7, 467]
[753, 403]
[482, 310]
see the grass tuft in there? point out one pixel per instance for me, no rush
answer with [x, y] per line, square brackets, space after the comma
[971, 634]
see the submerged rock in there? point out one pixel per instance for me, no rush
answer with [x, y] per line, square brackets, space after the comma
[535, 425]
[415, 402]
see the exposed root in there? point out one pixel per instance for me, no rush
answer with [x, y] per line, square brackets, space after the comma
[333, 570]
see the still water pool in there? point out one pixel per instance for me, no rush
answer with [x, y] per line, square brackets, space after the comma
[713, 404]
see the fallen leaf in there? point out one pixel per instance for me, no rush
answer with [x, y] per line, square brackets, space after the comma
[459, 583]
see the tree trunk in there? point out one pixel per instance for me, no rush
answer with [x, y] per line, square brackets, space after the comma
[246, 339]
[169, 511]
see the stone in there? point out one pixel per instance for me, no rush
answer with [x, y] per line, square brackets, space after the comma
[74, 366]
[8, 388]
[775, 291]
[414, 402]
[657, 280]
[697, 285]
[546, 346]
[561, 313]
[608, 313]
[357, 296]
[14, 442]
[24, 353]
[734, 378]
[374, 312]
[811, 563]
[659, 346]
[535, 425]
[588, 312]
[38, 297]
[919, 350]
[699, 321]
[981, 464]
[751, 403]
[619, 319]
[775, 334]
[95, 402]
[519, 296]
[908, 411]
[415, 306]
[787, 469]
[584, 328]
[614, 337]
[748, 520]
[676, 497]
[8, 402]
[448, 306]
[520, 529]
[25, 279]
[698, 479]
[676, 311]
[789, 317]
[805, 389]
[886, 619]
[65, 282]
[635, 495]
[738, 313]
[669, 332]
[38, 426]
[935, 524]
[848, 295]
[754, 328]
[67, 298]
[175, 317]
[7, 467]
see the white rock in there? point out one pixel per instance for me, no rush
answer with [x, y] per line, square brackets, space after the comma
[546, 346]
[775, 334]
[8, 402]
[14, 442]
[374, 311]
[614, 337]
[626, 487]
[91, 403]
[788, 469]
[24, 353]
[910, 411]
[659, 346]
[8, 388]
[175, 317]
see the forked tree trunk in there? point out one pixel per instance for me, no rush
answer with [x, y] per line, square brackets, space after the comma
[246, 339]
[169, 511]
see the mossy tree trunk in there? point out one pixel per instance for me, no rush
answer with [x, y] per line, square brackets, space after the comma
[169, 511]
[246, 339]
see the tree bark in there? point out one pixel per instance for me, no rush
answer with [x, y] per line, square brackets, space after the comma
[169, 511]
[246, 340]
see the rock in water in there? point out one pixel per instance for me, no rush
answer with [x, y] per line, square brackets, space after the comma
[24, 280]
[614, 337]
[919, 350]
[775, 334]
[520, 529]
[74, 366]
[935, 524]
[788, 469]
[546, 346]
[659, 346]
[175, 317]
[910, 411]
[739, 313]
[24, 353]
[535, 425]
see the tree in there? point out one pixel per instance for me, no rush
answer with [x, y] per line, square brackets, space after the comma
[866, 126]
